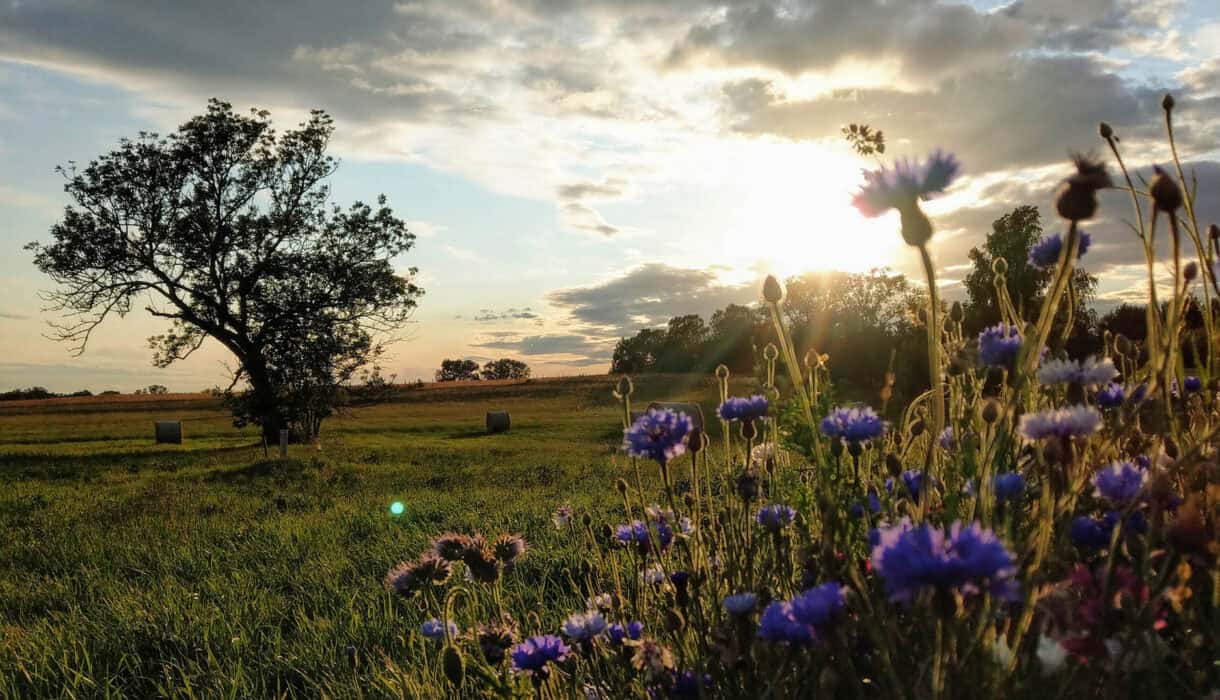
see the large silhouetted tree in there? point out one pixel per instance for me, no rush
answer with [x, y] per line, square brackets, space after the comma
[225, 230]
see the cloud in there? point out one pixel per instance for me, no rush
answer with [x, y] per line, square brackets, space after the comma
[590, 350]
[10, 316]
[574, 201]
[510, 314]
[646, 296]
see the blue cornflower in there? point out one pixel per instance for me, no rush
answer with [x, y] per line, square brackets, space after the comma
[1111, 395]
[855, 424]
[435, 629]
[946, 441]
[616, 632]
[1139, 394]
[999, 345]
[584, 626]
[1193, 384]
[740, 603]
[737, 408]
[1091, 371]
[659, 435]
[966, 559]
[1119, 483]
[1008, 486]
[775, 517]
[636, 533]
[912, 479]
[1090, 533]
[1076, 421]
[856, 510]
[533, 655]
[800, 621]
[905, 184]
[685, 685]
[1045, 252]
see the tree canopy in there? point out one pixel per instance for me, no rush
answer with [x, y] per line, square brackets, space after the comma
[225, 229]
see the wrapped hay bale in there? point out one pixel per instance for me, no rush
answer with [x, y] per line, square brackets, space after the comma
[497, 421]
[691, 409]
[168, 431]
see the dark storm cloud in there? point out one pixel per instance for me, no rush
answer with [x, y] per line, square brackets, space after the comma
[648, 296]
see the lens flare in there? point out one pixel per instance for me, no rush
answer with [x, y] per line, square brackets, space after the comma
[397, 508]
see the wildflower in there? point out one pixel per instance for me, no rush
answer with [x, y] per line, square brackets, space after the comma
[584, 626]
[1076, 421]
[1120, 482]
[966, 559]
[659, 435]
[1008, 486]
[659, 514]
[687, 685]
[1111, 395]
[508, 548]
[435, 629]
[1045, 252]
[654, 575]
[1166, 194]
[743, 409]
[800, 621]
[740, 603]
[532, 656]
[1077, 198]
[601, 601]
[495, 640]
[636, 533]
[481, 564]
[874, 505]
[1193, 384]
[449, 546]
[1088, 372]
[912, 479]
[775, 517]
[403, 580]
[616, 632]
[562, 516]
[946, 441]
[654, 658]
[855, 425]
[1089, 533]
[686, 527]
[999, 345]
[905, 184]
[1139, 394]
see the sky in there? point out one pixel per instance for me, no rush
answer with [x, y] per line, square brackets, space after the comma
[577, 171]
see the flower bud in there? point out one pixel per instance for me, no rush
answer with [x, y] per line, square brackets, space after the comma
[1075, 202]
[991, 411]
[1105, 130]
[772, 292]
[695, 442]
[747, 485]
[586, 519]
[916, 229]
[1190, 272]
[956, 314]
[917, 428]
[1124, 345]
[352, 660]
[1167, 102]
[624, 386]
[606, 532]
[454, 664]
[1213, 231]
[999, 265]
[621, 485]
[893, 465]
[688, 500]
[1166, 194]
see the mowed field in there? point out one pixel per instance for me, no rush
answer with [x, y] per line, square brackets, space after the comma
[129, 569]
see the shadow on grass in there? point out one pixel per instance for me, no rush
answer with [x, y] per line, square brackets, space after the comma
[72, 466]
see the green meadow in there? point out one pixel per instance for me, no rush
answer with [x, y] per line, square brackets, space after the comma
[130, 569]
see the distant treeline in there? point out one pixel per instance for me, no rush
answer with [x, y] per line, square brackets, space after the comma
[869, 322]
[41, 392]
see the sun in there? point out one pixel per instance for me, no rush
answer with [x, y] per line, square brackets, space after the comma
[795, 213]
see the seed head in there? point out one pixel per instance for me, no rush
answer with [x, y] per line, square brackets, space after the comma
[772, 292]
[916, 228]
[1167, 102]
[454, 665]
[1166, 194]
[1077, 197]
[1213, 232]
[621, 485]
[956, 314]
[1191, 271]
[1105, 130]
[991, 411]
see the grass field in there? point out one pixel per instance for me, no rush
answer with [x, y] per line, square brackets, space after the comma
[129, 569]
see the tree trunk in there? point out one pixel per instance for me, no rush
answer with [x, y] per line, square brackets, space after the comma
[264, 403]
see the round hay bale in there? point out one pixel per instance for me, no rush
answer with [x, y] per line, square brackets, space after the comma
[168, 431]
[497, 421]
[691, 409]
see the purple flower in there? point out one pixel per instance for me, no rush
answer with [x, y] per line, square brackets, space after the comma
[799, 622]
[658, 434]
[1139, 393]
[999, 345]
[1008, 486]
[736, 408]
[1193, 384]
[1076, 421]
[775, 517]
[1119, 483]
[855, 424]
[636, 533]
[874, 505]
[584, 626]
[685, 685]
[1045, 252]
[946, 441]
[1090, 533]
[740, 603]
[966, 559]
[906, 183]
[1088, 372]
[912, 479]
[617, 632]
[1111, 395]
[435, 629]
[533, 655]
